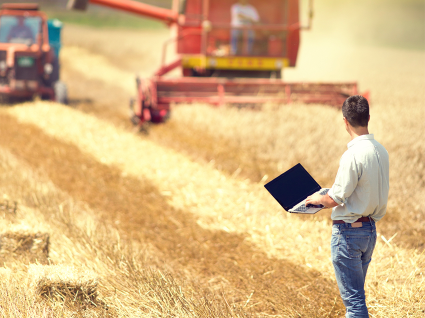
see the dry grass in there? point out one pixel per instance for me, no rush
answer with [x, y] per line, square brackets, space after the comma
[226, 261]
[223, 204]
[134, 280]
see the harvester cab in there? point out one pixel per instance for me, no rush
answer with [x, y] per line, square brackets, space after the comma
[29, 54]
[237, 38]
[229, 51]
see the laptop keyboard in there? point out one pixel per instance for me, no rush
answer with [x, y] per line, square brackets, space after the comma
[303, 208]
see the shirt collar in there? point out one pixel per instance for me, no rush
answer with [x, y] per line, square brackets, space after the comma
[360, 138]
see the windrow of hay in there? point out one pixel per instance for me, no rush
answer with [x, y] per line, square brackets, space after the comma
[232, 205]
[63, 283]
[8, 207]
[22, 241]
[219, 260]
[217, 201]
[23, 244]
[134, 280]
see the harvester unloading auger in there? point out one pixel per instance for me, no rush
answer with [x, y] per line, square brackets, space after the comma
[223, 63]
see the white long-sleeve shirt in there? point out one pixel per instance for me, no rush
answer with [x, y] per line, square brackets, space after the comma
[362, 183]
[247, 10]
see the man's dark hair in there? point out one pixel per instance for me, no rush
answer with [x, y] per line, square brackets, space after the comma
[356, 110]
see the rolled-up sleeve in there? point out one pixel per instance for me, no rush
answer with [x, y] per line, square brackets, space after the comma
[346, 179]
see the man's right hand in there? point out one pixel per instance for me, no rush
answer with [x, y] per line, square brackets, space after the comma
[324, 200]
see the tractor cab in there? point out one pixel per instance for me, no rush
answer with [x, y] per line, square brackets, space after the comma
[23, 28]
[19, 29]
[29, 63]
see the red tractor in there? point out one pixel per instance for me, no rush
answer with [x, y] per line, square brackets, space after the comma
[29, 54]
[230, 51]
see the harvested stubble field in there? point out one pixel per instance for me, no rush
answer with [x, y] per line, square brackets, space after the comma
[177, 223]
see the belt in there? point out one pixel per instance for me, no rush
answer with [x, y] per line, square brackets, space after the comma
[362, 219]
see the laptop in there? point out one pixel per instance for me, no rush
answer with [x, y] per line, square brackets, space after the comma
[292, 188]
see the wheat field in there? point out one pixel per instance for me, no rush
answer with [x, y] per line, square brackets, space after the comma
[177, 223]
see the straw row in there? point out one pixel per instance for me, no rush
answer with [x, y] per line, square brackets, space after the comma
[8, 207]
[217, 201]
[63, 283]
[24, 244]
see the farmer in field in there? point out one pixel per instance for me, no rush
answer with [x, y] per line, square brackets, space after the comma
[243, 14]
[359, 199]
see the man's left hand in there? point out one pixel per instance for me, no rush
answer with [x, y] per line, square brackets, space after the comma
[324, 200]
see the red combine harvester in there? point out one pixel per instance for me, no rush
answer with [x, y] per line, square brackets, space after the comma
[29, 54]
[224, 61]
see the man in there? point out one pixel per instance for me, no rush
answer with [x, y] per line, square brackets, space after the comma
[359, 199]
[243, 14]
[20, 31]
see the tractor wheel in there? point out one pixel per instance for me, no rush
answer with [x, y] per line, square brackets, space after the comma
[61, 93]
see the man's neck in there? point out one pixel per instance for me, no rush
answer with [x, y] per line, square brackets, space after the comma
[358, 131]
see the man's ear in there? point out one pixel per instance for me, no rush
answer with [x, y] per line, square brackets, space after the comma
[347, 124]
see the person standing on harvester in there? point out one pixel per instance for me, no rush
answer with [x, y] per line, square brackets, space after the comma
[359, 198]
[243, 14]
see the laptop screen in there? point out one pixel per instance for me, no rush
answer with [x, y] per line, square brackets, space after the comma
[292, 186]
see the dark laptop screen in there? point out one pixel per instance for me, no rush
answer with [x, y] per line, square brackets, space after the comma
[292, 186]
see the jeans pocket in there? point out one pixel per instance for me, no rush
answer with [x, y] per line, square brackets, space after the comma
[357, 245]
[335, 246]
[335, 230]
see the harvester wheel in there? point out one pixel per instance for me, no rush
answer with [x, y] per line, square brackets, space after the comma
[61, 92]
[144, 128]
[133, 117]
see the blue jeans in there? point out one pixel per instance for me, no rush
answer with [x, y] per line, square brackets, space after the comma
[235, 34]
[351, 250]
